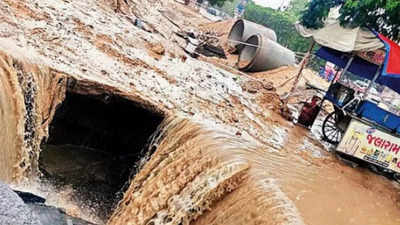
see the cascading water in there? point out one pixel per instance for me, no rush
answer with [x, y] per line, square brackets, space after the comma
[192, 171]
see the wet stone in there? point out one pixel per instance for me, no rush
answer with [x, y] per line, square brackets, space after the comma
[88, 171]
[73, 164]
[13, 210]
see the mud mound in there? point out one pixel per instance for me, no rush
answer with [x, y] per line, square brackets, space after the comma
[270, 100]
[284, 78]
[222, 28]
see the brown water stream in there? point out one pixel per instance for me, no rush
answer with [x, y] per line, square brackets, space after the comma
[279, 186]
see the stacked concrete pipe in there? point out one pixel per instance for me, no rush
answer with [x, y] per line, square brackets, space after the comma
[261, 54]
[242, 30]
[257, 47]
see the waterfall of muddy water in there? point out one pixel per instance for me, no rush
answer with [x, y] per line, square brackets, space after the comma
[203, 176]
[189, 178]
[28, 97]
[183, 178]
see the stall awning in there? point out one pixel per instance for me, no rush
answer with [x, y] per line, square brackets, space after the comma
[367, 70]
[339, 42]
[392, 60]
[344, 39]
[359, 66]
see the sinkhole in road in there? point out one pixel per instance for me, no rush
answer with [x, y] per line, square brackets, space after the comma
[95, 142]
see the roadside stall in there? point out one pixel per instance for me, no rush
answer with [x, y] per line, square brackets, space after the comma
[360, 126]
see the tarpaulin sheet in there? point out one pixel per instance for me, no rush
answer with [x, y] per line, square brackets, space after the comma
[334, 36]
[392, 60]
[359, 66]
[363, 68]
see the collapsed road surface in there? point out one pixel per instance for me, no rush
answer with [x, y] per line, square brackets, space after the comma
[71, 70]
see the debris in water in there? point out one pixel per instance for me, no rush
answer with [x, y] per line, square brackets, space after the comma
[311, 148]
[279, 137]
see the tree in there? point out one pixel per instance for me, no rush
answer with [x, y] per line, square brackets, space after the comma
[218, 3]
[295, 9]
[281, 22]
[230, 6]
[382, 16]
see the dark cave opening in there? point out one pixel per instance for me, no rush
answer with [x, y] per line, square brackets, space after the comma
[94, 144]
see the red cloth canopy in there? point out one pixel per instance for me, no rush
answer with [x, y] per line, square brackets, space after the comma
[392, 61]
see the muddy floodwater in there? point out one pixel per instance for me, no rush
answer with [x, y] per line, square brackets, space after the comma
[299, 183]
[201, 176]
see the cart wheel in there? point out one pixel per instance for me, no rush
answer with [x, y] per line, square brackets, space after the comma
[330, 130]
[396, 177]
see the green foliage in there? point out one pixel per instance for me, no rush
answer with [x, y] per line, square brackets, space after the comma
[380, 15]
[229, 7]
[316, 12]
[281, 22]
[295, 9]
[219, 3]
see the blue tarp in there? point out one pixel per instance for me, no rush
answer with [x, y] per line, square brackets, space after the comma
[359, 67]
[384, 118]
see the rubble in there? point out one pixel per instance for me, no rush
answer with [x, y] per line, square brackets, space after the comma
[287, 113]
[252, 86]
[156, 50]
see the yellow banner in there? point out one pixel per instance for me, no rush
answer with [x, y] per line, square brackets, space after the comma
[372, 145]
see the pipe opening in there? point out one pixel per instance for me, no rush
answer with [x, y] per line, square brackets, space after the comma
[93, 146]
[236, 33]
[249, 52]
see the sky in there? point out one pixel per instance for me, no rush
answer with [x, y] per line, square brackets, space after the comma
[271, 3]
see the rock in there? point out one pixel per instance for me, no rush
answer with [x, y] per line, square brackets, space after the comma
[158, 48]
[252, 86]
[172, 55]
[268, 85]
[286, 113]
[183, 58]
[269, 100]
[30, 198]
[74, 164]
[234, 118]
[13, 211]
[49, 215]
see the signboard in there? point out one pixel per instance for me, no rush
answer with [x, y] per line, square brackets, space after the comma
[372, 145]
[329, 71]
[376, 57]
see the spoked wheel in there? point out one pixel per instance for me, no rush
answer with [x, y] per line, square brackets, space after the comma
[330, 129]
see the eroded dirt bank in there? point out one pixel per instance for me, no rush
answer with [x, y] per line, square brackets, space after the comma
[221, 156]
[30, 93]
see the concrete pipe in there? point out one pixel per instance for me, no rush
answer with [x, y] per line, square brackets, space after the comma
[262, 54]
[243, 29]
